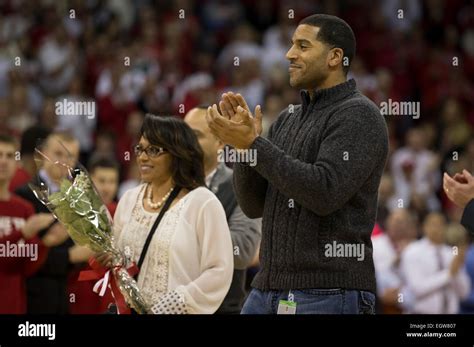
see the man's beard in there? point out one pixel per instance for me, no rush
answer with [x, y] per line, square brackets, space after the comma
[308, 84]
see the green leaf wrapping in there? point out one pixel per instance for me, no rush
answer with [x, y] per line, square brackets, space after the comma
[78, 206]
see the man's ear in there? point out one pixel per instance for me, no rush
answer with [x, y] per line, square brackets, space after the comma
[221, 144]
[335, 57]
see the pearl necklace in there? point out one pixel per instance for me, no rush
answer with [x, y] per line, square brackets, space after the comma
[159, 203]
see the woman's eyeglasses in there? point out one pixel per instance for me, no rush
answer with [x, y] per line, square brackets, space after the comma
[151, 151]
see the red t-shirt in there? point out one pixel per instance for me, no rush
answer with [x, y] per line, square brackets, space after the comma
[20, 178]
[14, 269]
[377, 230]
[112, 207]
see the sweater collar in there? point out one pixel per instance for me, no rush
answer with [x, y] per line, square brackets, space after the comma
[328, 96]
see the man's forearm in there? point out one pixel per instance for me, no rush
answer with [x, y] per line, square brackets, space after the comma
[250, 189]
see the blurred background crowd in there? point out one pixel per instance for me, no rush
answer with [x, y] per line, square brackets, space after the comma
[166, 57]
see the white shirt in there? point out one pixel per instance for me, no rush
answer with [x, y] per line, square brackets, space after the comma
[189, 264]
[384, 255]
[53, 187]
[421, 272]
[210, 176]
[386, 271]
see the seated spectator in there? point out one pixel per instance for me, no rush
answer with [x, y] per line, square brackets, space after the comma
[434, 272]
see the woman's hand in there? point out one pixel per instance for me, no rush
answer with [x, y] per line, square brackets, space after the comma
[104, 259]
[79, 254]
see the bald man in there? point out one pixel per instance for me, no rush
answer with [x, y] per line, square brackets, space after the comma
[245, 232]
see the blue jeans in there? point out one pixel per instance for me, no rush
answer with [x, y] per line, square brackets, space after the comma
[312, 301]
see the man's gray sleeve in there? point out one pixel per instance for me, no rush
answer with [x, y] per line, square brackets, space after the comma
[246, 234]
[250, 190]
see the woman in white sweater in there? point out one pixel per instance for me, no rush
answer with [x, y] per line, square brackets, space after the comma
[189, 262]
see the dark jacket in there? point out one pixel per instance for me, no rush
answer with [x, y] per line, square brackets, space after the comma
[468, 217]
[245, 234]
[47, 288]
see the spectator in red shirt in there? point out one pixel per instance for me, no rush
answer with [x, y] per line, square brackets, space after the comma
[19, 227]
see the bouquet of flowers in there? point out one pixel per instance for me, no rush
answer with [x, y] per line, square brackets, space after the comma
[78, 206]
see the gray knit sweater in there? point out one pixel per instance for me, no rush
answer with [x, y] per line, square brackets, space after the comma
[315, 185]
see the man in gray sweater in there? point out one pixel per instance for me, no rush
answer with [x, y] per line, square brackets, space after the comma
[315, 180]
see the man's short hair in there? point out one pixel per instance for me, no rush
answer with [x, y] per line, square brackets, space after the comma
[59, 137]
[32, 138]
[4, 138]
[102, 162]
[336, 33]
